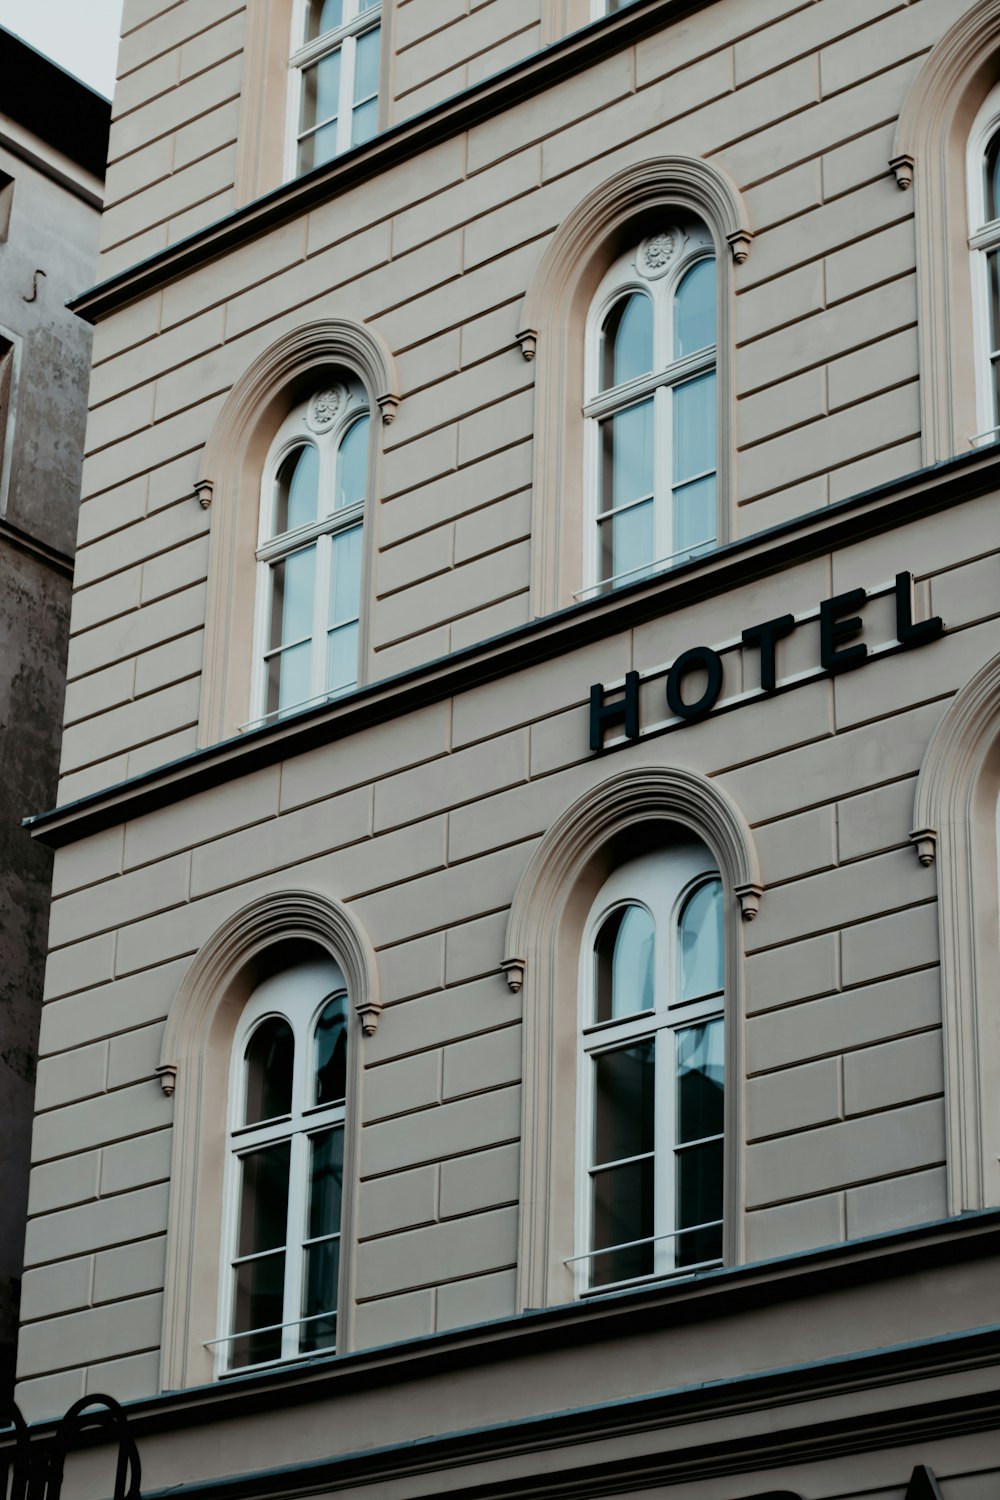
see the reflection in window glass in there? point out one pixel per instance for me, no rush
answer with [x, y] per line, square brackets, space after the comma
[992, 170]
[627, 345]
[701, 942]
[623, 964]
[323, 16]
[269, 1058]
[700, 1121]
[624, 1136]
[297, 490]
[352, 465]
[331, 1052]
[694, 310]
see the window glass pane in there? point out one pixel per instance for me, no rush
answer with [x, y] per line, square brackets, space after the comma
[699, 1201]
[623, 964]
[318, 148]
[331, 1052]
[320, 91]
[627, 344]
[323, 16]
[364, 125]
[627, 456]
[992, 167]
[345, 576]
[700, 1080]
[366, 61]
[695, 514]
[319, 1295]
[694, 428]
[292, 597]
[264, 1199]
[993, 262]
[296, 490]
[352, 466]
[626, 542]
[269, 1057]
[623, 1102]
[260, 1288]
[326, 1184]
[289, 678]
[694, 310]
[622, 1206]
[701, 942]
[342, 659]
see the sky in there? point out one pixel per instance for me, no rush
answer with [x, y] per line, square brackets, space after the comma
[80, 35]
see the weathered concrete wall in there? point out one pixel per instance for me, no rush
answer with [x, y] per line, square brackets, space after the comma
[48, 255]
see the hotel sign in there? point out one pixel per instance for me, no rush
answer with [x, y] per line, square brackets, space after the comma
[696, 678]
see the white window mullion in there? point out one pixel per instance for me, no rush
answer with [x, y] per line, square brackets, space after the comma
[321, 613]
[298, 1208]
[345, 120]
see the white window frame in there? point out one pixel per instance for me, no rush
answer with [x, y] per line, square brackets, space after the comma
[296, 432]
[661, 883]
[624, 277]
[343, 38]
[288, 995]
[599, 8]
[984, 237]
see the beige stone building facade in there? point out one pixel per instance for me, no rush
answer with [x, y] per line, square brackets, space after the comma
[521, 1007]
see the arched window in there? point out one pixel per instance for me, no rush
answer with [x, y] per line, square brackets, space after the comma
[310, 551]
[651, 1071]
[651, 407]
[285, 1174]
[335, 66]
[983, 177]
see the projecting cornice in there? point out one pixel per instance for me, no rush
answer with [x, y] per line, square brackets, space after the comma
[571, 55]
[730, 567]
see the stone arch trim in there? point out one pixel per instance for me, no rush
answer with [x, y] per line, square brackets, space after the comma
[956, 787]
[674, 181]
[194, 1064]
[928, 154]
[229, 483]
[637, 796]
[551, 333]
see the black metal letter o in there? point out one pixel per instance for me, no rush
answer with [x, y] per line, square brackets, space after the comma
[711, 662]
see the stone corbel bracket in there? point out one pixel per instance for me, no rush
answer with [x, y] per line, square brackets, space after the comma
[528, 340]
[924, 840]
[513, 970]
[167, 1074]
[368, 1012]
[388, 405]
[903, 166]
[203, 490]
[739, 242]
[748, 896]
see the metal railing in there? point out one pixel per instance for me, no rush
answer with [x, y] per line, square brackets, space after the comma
[35, 1468]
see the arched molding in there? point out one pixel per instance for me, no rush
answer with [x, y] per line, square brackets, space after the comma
[955, 822]
[260, 939]
[928, 152]
[632, 810]
[552, 322]
[229, 484]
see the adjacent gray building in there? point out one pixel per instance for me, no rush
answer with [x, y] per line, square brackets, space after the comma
[53, 144]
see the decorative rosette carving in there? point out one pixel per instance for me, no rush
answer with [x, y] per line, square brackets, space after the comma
[325, 407]
[658, 253]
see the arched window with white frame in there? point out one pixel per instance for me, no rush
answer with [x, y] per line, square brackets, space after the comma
[279, 1291]
[651, 1072]
[983, 178]
[335, 63]
[651, 408]
[310, 551]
